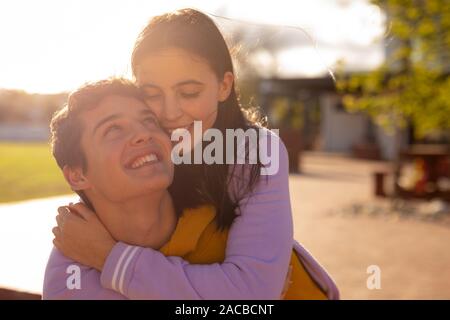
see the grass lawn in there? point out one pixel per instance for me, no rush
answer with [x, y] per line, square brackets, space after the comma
[28, 170]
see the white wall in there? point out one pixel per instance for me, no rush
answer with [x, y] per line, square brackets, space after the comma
[340, 130]
[386, 141]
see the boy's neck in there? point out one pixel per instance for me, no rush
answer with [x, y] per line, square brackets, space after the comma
[147, 221]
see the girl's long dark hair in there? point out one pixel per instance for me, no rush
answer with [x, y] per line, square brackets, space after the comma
[198, 184]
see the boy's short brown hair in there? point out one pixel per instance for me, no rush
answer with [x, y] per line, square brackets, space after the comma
[66, 127]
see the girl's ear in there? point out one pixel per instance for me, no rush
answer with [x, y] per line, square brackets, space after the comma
[225, 86]
[75, 177]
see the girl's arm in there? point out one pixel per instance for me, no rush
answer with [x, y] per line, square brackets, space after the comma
[66, 279]
[258, 252]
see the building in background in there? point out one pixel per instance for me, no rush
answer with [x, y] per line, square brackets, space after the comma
[314, 108]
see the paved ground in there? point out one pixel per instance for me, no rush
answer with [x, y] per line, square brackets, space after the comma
[26, 241]
[413, 256]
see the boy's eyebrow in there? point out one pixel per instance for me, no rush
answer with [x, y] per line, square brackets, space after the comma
[181, 83]
[103, 121]
[118, 115]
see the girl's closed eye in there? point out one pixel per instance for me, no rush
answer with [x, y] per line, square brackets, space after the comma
[190, 90]
[190, 95]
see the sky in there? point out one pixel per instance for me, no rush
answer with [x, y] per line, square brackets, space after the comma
[49, 46]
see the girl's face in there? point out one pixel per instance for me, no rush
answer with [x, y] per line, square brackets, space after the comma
[181, 87]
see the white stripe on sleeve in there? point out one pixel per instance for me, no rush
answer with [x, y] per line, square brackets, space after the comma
[119, 263]
[124, 269]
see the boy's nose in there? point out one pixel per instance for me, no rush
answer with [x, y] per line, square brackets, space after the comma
[142, 135]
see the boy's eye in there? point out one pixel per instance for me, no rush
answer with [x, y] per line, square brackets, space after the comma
[151, 120]
[112, 129]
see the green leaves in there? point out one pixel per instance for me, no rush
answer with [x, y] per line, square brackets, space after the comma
[414, 82]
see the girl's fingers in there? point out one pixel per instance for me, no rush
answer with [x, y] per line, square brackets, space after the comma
[66, 215]
[59, 220]
[56, 243]
[63, 214]
[56, 232]
[63, 210]
[82, 210]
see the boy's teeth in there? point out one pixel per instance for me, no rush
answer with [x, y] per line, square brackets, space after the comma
[141, 161]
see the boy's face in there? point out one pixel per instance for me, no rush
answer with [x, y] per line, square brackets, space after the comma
[127, 153]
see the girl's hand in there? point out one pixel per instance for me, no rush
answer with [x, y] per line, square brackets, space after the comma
[81, 236]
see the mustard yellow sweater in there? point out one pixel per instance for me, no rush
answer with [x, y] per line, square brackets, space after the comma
[197, 240]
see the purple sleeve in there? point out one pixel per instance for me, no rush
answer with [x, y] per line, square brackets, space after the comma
[60, 284]
[258, 252]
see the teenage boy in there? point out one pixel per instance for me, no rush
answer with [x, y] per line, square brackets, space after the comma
[114, 154]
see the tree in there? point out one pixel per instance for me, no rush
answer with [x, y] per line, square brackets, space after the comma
[413, 85]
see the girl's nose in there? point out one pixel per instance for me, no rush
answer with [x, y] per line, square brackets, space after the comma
[171, 110]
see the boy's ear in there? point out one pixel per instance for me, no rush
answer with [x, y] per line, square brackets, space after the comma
[75, 177]
[225, 86]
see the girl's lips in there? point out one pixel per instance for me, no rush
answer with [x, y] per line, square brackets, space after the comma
[171, 130]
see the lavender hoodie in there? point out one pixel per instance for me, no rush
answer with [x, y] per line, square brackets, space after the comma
[257, 256]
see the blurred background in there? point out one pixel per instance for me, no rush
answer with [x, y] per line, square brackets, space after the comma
[359, 89]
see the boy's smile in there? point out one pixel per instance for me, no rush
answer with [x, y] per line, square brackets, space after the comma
[145, 160]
